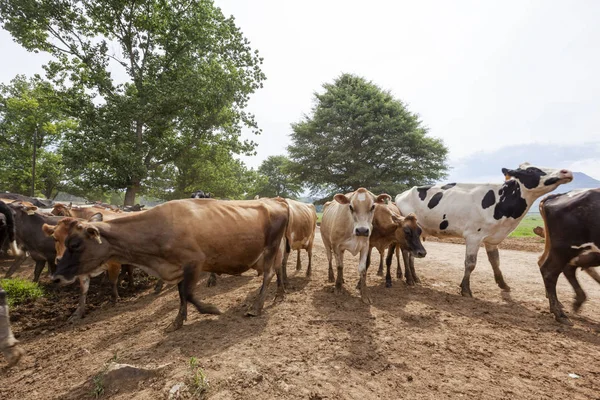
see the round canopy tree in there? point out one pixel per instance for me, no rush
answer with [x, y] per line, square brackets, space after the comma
[359, 135]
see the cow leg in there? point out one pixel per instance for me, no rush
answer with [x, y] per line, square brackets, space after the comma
[580, 297]
[51, 267]
[126, 269]
[298, 263]
[286, 254]
[411, 258]
[309, 267]
[551, 269]
[388, 274]
[84, 284]
[39, 267]
[16, 264]
[339, 282]
[331, 277]
[380, 270]
[271, 264]
[410, 280]
[368, 264]
[470, 262]
[494, 258]
[212, 280]
[398, 269]
[8, 343]
[390, 255]
[362, 272]
[113, 271]
[159, 286]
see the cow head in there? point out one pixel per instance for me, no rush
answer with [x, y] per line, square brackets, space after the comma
[408, 234]
[537, 179]
[9, 228]
[61, 210]
[361, 205]
[80, 249]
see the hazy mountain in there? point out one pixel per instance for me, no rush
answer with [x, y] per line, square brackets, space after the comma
[580, 181]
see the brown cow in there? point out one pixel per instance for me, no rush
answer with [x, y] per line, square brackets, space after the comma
[300, 233]
[59, 233]
[85, 212]
[347, 224]
[389, 229]
[180, 239]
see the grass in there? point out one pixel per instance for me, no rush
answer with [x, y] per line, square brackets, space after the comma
[525, 228]
[199, 381]
[98, 379]
[319, 217]
[20, 290]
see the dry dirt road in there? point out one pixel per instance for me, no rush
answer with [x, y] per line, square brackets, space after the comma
[422, 342]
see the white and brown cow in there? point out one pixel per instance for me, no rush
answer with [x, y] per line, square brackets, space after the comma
[572, 233]
[346, 226]
[300, 233]
[481, 213]
[180, 239]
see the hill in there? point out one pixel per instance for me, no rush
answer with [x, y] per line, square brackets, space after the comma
[580, 181]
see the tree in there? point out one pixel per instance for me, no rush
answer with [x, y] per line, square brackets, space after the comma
[275, 179]
[31, 124]
[189, 74]
[361, 136]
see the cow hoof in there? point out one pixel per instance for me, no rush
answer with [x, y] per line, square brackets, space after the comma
[399, 276]
[252, 313]
[380, 273]
[466, 293]
[564, 320]
[577, 306]
[337, 290]
[366, 299]
[331, 279]
[410, 282]
[388, 284]
[505, 288]
[417, 280]
[212, 281]
[298, 267]
[279, 297]
[13, 355]
[76, 316]
[308, 273]
[158, 287]
[209, 309]
[175, 325]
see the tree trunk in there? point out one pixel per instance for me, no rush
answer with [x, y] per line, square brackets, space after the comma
[33, 162]
[130, 193]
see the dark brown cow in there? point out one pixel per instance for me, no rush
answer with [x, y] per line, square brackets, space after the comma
[394, 232]
[300, 233]
[572, 232]
[180, 239]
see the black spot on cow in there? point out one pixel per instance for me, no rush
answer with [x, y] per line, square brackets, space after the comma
[443, 225]
[423, 191]
[448, 186]
[511, 204]
[444, 217]
[488, 200]
[435, 200]
[551, 181]
[529, 177]
[479, 230]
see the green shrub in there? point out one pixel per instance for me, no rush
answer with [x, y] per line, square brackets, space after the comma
[20, 290]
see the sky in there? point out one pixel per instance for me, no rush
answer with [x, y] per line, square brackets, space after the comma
[499, 82]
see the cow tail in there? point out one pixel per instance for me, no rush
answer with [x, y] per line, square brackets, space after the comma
[547, 244]
[10, 221]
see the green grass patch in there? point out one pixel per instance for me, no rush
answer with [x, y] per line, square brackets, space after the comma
[20, 290]
[525, 228]
[319, 217]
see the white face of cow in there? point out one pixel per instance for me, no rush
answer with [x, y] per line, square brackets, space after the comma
[361, 205]
[538, 180]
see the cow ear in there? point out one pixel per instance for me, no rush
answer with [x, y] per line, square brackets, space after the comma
[341, 198]
[383, 198]
[508, 173]
[70, 204]
[93, 233]
[411, 217]
[30, 210]
[48, 229]
[96, 218]
[397, 219]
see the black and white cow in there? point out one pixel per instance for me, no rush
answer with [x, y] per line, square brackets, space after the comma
[481, 213]
[572, 232]
[199, 194]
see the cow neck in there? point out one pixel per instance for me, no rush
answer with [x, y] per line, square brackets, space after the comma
[127, 243]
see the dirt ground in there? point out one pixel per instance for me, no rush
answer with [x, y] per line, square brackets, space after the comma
[424, 342]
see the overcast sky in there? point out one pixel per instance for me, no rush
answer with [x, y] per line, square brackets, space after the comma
[482, 75]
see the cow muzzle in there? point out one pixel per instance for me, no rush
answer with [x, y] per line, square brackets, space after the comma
[362, 231]
[60, 279]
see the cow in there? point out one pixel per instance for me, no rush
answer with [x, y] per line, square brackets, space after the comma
[572, 233]
[85, 212]
[180, 239]
[300, 234]
[58, 234]
[347, 224]
[199, 194]
[28, 230]
[481, 213]
[34, 201]
[392, 231]
[7, 229]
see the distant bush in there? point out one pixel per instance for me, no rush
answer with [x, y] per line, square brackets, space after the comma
[20, 290]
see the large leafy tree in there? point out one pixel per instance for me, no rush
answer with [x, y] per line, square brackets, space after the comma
[276, 179]
[359, 135]
[32, 123]
[185, 70]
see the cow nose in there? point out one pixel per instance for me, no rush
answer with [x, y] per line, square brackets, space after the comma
[57, 260]
[421, 253]
[362, 231]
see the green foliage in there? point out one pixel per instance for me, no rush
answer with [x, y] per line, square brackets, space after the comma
[276, 179]
[20, 290]
[361, 136]
[525, 228]
[31, 109]
[199, 381]
[189, 74]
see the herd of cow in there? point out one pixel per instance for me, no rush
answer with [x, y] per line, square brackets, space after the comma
[181, 240]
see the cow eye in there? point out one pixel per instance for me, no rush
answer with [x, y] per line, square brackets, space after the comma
[372, 207]
[351, 208]
[407, 231]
